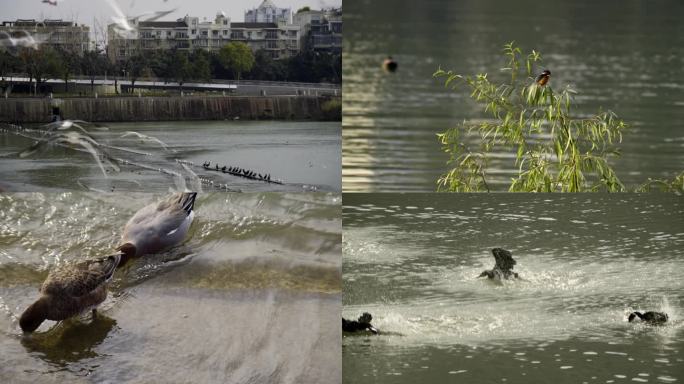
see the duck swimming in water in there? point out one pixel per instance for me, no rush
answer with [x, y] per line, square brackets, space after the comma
[653, 318]
[70, 290]
[362, 325]
[389, 64]
[158, 226]
[504, 265]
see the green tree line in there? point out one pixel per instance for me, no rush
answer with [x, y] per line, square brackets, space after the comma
[235, 61]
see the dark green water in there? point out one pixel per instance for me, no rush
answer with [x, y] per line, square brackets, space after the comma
[587, 261]
[626, 56]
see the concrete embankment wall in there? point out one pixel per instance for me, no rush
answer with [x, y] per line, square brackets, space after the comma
[28, 110]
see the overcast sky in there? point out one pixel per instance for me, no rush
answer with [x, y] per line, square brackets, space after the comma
[87, 11]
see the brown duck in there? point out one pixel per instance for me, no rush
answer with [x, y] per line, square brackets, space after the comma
[70, 290]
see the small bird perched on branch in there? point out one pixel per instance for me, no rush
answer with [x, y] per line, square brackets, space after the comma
[543, 77]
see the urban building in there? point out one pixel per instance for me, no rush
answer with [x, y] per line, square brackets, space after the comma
[189, 33]
[321, 31]
[267, 12]
[57, 34]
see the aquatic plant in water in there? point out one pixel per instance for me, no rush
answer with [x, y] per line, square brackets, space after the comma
[555, 150]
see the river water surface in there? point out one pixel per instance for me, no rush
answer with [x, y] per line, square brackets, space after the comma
[259, 274]
[627, 57]
[304, 155]
[587, 261]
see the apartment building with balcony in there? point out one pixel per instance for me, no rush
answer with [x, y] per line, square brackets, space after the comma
[268, 12]
[189, 33]
[321, 31]
[58, 34]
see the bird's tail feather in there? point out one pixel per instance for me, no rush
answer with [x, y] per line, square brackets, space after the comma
[187, 200]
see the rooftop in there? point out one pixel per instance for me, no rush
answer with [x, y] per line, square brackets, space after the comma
[38, 23]
[163, 24]
[253, 25]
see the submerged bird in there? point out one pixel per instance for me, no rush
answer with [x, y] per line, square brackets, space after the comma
[504, 265]
[389, 64]
[362, 325]
[653, 318]
[158, 226]
[70, 290]
[543, 77]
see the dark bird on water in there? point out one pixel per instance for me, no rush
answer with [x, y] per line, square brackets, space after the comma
[361, 325]
[223, 168]
[504, 265]
[543, 77]
[217, 167]
[653, 318]
[70, 290]
[389, 64]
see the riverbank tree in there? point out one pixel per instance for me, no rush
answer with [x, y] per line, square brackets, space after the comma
[39, 64]
[199, 65]
[553, 147]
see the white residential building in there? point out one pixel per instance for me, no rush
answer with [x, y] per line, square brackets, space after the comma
[320, 30]
[58, 34]
[267, 12]
[189, 33]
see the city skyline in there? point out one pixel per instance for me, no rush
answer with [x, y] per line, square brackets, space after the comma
[98, 14]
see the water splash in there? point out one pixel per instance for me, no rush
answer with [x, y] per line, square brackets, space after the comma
[24, 40]
[126, 26]
[74, 138]
[146, 138]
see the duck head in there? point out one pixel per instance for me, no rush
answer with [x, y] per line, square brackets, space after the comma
[34, 315]
[128, 251]
[365, 318]
[488, 273]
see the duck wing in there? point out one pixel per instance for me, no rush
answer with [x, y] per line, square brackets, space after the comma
[504, 259]
[81, 278]
[173, 213]
[160, 225]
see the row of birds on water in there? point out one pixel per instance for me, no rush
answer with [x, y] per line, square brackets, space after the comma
[76, 288]
[237, 171]
[503, 270]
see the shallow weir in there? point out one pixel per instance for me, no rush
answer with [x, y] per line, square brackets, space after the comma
[225, 306]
